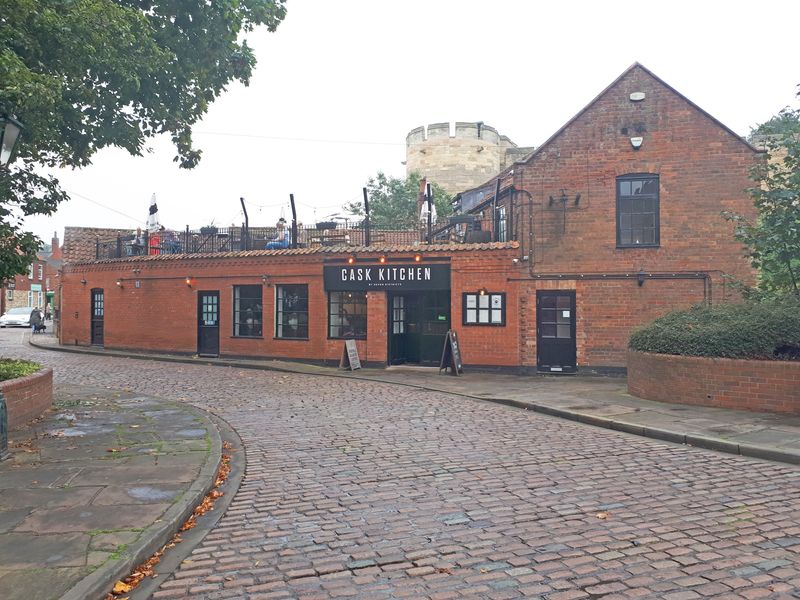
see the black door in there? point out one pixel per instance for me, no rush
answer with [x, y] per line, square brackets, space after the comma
[555, 331]
[417, 325]
[98, 311]
[208, 323]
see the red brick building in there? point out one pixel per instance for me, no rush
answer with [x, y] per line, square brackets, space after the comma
[38, 286]
[613, 221]
[619, 215]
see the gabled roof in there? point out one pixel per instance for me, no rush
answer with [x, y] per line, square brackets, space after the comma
[608, 88]
[597, 98]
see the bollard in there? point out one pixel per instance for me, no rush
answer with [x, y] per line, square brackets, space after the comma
[3, 428]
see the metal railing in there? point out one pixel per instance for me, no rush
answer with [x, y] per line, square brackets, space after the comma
[470, 228]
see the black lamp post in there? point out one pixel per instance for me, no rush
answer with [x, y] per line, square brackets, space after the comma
[9, 132]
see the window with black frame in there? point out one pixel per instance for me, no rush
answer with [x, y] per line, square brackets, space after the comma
[637, 211]
[488, 308]
[291, 311]
[347, 315]
[502, 224]
[247, 311]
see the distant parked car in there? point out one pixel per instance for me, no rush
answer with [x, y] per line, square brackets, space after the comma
[17, 317]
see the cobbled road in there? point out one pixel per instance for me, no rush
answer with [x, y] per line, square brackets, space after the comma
[363, 490]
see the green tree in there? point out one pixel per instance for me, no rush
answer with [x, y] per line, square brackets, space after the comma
[393, 201]
[785, 122]
[773, 239]
[86, 74]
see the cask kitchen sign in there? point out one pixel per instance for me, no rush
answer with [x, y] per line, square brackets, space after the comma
[409, 277]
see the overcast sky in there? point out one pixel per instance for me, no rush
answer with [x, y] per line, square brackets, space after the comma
[340, 84]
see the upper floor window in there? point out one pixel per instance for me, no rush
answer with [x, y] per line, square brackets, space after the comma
[502, 224]
[291, 311]
[41, 272]
[30, 272]
[247, 311]
[637, 211]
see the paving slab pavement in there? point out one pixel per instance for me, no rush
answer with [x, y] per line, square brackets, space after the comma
[95, 487]
[595, 400]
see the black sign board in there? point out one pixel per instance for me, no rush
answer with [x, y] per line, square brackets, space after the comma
[451, 354]
[410, 277]
[350, 359]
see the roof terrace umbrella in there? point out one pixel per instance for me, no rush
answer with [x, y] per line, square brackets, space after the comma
[153, 224]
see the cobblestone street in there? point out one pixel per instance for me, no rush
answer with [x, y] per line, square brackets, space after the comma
[368, 490]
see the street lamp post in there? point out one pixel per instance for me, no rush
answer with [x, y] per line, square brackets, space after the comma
[9, 132]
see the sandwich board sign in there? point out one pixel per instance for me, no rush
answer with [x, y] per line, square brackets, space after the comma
[451, 354]
[350, 359]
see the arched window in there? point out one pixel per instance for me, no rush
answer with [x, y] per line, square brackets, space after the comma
[637, 211]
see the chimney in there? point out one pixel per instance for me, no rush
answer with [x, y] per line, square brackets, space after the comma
[55, 248]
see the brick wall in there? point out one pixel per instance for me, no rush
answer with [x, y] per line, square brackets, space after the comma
[757, 385]
[607, 311]
[703, 170]
[27, 397]
[161, 314]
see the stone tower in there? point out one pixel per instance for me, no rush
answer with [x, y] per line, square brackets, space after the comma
[464, 160]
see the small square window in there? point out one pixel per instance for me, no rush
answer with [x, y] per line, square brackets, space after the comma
[347, 315]
[484, 309]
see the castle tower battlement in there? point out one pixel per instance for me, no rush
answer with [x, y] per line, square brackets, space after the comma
[459, 157]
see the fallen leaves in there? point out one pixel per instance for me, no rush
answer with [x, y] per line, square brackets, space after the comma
[120, 449]
[121, 588]
[602, 515]
[147, 568]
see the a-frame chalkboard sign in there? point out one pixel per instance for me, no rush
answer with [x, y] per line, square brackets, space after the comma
[451, 355]
[350, 359]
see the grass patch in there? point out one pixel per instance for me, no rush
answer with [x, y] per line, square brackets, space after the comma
[11, 368]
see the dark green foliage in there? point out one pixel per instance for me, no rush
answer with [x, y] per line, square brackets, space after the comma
[12, 369]
[786, 121]
[393, 202]
[82, 75]
[764, 330]
[772, 241]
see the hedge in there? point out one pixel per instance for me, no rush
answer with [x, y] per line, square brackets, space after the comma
[764, 330]
[12, 368]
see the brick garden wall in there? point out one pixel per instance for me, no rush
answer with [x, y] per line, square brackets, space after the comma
[27, 397]
[757, 385]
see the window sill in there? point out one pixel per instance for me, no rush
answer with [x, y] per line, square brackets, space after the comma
[291, 339]
[347, 338]
[247, 337]
[626, 247]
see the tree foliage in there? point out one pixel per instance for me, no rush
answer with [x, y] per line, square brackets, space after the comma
[393, 201]
[773, 239]
[785, 122]
[83, 75]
